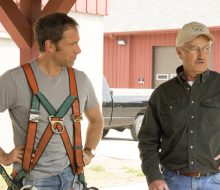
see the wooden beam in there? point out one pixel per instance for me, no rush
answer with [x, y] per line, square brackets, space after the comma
[15, 23]
[31, 10]
[63, 6]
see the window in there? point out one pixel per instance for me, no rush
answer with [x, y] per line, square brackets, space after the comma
[162, 77]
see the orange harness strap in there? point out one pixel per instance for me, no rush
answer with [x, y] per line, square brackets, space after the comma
[76, 118]
[32, 128]
[55, 125]
[45, 140]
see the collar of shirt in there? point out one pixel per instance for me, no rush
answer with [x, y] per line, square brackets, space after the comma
[181, 77]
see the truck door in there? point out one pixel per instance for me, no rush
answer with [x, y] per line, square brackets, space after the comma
[106, 102]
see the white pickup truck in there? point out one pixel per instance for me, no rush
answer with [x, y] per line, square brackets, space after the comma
[124, 108]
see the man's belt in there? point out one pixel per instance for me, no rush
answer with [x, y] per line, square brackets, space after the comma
[193, 174]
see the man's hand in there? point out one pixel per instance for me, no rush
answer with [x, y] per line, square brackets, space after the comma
[87, 157]
[158, 185]
[15, 156]
[217, 158]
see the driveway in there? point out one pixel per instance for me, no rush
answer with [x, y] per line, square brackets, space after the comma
[116, 164]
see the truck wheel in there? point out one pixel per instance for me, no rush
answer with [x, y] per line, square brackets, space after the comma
[105, 132]
[136, 127]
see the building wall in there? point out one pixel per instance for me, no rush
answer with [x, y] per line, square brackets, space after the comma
[146, 24]
[216, 49]
[97, 7]
[9, 56]
[125, 65]
[90, 60]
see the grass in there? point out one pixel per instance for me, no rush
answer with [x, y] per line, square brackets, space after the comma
[97, 168]
[133, 171]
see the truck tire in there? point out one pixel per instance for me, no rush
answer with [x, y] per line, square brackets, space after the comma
[136, 127]
[105, 132]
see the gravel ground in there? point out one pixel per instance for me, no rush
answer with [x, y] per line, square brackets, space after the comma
[116, 164]
[106, 172]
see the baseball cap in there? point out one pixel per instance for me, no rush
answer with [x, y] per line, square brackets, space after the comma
[190, 31]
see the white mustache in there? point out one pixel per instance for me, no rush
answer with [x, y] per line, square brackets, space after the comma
[200, 60]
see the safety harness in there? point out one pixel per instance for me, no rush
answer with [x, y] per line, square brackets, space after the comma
[54, 127]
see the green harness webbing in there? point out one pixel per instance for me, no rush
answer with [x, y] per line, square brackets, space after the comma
[50, 109]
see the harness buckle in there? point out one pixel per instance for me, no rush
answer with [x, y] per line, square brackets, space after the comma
[34, 116]
[53, 122]
[77, 118]
[29, 187]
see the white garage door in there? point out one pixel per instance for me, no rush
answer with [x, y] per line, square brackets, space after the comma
[164, 64]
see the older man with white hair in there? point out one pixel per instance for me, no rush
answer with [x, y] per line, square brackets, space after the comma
[179, 137]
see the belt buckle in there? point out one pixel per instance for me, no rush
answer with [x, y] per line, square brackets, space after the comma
[199, 174]
[53, 122]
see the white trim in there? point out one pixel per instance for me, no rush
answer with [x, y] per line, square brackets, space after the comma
[172, 75]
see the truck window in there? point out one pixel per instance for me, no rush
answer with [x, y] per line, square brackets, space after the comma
[106, 94]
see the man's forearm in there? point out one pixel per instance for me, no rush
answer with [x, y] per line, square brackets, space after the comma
[94, 134]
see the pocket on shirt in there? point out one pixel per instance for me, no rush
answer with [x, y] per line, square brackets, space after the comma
[211, 103]
[173, 114]
[210, 110]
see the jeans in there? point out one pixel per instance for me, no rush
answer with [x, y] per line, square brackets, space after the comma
[62, 181]
[180, 182]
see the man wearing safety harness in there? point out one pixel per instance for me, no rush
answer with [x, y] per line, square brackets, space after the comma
[45, 100]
